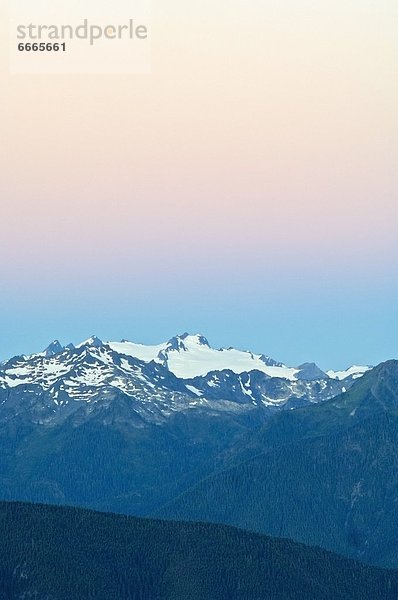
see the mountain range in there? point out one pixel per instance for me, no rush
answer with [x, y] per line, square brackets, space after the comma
[185, 432]
[182, 374]
[152, 433]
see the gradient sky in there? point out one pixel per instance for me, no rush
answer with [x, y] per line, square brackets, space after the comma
[245, 189]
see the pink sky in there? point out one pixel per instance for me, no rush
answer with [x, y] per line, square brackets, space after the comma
[261, 130]
[264, 142]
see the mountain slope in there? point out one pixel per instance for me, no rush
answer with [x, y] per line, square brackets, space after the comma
[326, 475]
[105, 455]
[62, 553]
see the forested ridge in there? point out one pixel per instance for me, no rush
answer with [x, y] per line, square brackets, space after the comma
[59, 553]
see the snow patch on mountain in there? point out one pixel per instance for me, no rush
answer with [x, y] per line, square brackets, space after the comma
[355, 372]
[189, 356]
[145, 353]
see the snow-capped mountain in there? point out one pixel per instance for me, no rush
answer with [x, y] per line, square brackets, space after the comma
[190, 356]
[182, 374]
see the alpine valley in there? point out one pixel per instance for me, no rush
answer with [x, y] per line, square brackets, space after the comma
[184, 431]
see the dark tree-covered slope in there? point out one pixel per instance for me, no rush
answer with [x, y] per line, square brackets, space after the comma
[326, 476]
[59, 553]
